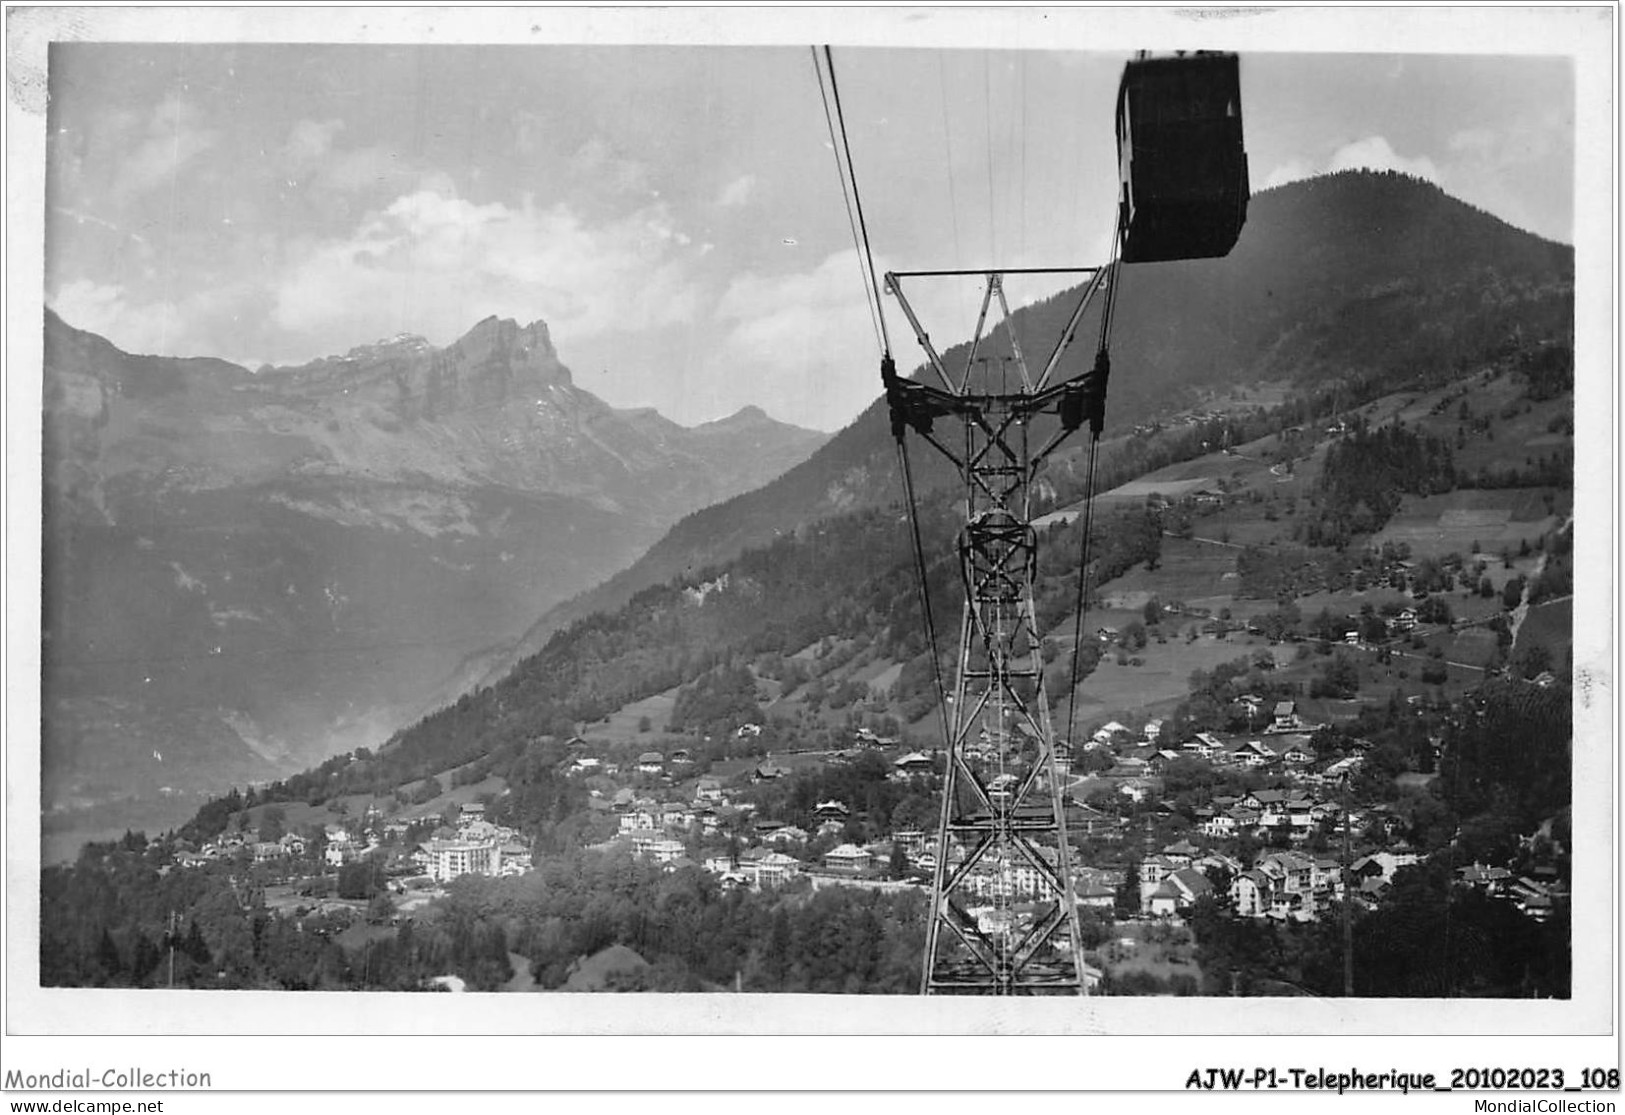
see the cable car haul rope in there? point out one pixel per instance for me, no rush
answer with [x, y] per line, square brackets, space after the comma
[1003, 914]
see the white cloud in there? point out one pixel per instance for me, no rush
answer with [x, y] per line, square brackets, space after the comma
[1290, 171]
[173, 136]
[738, 191]
[1375, 153]
[434, 263]
[807, 339]
[201, 324]
[1371, 152]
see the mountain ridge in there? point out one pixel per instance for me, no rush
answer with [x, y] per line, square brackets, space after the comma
[246, 570]
[1332, 281]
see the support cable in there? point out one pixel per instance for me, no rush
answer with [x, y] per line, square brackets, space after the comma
[871, 294]
[857, 199]
[925, 589]
[1113, 274]
[1079, 609]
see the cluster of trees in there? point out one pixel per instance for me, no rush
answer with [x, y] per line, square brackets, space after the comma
[1427, 939]
[1548, 371]
[1550, 470]
[717, 703]
[1556, 577]
[695, 934]
[1365, 476]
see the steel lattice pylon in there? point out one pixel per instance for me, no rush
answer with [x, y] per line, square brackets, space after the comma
[1003, 911]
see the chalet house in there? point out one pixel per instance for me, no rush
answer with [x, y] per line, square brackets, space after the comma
[1343, 766]
[469, 830]
[1250, 894]
[638, 820]
[294, 845]
[848, 858]
[769, 771]
[1491, 880]
[1109, 731]
[770, 869]
[1253, 753]
[658, 848]
[1181, 852]
[1203, 744]
[709, 789]
[1321, 810]
[1405, 620]
[1219, 826]
[1292, 879]
[1532, 896]
[1327, 882]
[1295, 751]
[267, 850]
[1382, 865]
[674, 815]
[1179, 891]
[915, 764]
[515, 859]
[1134, 789]
[1286, 717]
[651, 762]
[1152, 731]
[470, 812]
[788, 834]
[912, 840]
[748, 731]
[1094, 894]
[680, 756]
[831, 811]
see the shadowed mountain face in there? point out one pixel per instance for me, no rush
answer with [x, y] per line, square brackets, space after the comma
[245, 572]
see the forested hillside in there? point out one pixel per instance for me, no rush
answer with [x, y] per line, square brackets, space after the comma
[1342, 287]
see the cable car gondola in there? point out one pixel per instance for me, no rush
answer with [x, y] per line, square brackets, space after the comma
[1181, 157]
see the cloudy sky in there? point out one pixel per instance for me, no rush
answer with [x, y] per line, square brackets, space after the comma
[673, 213]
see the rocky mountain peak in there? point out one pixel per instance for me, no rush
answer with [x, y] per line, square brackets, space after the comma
[502, 340]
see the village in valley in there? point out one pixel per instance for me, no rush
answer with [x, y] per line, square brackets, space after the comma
[1271, 823]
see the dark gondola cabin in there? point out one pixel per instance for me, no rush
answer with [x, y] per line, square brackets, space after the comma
[1180, 152]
